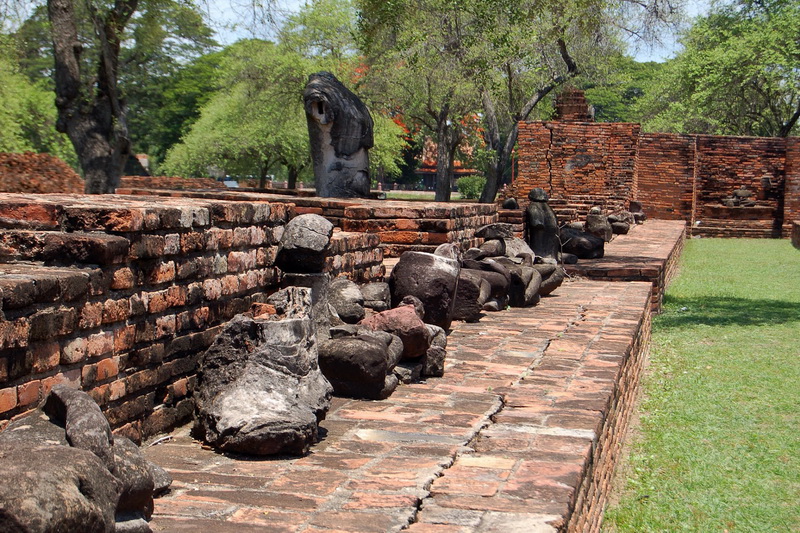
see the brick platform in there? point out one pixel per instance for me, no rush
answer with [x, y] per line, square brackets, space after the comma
[650, 252]
[401, 225]
[520, 434]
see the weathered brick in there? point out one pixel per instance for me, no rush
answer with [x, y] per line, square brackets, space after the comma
[122, 279]
[50, 323]
[71, 378]
[46, 356]
[99, 344]
[91, 315]
[29, 393]
[8, 399]
[115, 311]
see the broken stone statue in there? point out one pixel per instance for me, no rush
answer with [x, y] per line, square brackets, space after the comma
[63, 470]
[340, 134]
[542, 227]
[260, 390]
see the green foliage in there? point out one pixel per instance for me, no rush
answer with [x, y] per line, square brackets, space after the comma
[615, 94]
[27, 112]
[256, 121]
[470, 187]
[718, 447]
[737, 75]
[386, 156]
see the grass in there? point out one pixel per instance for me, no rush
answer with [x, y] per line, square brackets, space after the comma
[427, 196]
[718, 448]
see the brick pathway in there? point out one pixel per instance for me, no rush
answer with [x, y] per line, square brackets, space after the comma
[649, 252]
[512, 438]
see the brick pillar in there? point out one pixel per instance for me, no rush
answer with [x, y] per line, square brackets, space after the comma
[791, 191]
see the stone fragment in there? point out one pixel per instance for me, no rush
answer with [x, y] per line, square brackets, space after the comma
[260, 390]
[620, 228]
[498, 230]
[542, 226]
[346, 299]
[552, 278]
[404, 322]
[597, 224]
[434, 361]
[471, 294]
[322, 313]
[432, 279]
[85, 425]
[304, 243]
[510, 203]
[494, 248]
[475, 254]
[360, 366]
[448, 250]
[377, 296]
[56, 488]
[583, 245]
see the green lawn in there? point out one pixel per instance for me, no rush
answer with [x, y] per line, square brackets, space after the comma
[718, 448]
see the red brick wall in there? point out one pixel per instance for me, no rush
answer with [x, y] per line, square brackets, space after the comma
[791, 203]
[681, 177]
[726, 163]
[665, 175]
[126, 293]
[588, 163]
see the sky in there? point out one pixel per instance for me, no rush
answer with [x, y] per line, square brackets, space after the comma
[227, 16]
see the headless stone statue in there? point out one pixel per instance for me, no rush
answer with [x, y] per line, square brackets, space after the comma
[542, 227]
[340, 133]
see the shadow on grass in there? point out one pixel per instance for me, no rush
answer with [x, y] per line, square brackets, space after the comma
[726, 311]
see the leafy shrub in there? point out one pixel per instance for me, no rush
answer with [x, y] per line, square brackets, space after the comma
[470, 187]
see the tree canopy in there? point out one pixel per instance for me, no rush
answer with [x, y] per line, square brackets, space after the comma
[738, 74]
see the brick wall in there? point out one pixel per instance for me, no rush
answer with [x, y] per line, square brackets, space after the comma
[582, 163]
[665, 175]
[592, 496]
[791, 205]
[681, 177]
[401, 225]
[118, 295]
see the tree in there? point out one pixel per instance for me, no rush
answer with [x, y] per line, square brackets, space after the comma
[615, 95]
[504, 57]
[738, 74]
[256, 120]
[27, 113]
[413, 55]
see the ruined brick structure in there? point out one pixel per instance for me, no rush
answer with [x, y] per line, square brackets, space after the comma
[678, 177]
[120, 295]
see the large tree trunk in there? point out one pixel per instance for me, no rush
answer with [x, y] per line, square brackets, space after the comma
[92, 114]
[292, 173]
[443, 166]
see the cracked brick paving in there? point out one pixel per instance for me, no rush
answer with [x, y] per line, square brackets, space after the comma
[505, 441]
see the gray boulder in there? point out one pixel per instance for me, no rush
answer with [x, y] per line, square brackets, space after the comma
[260, 390]
[498, 230]
[597, 224]
[494, 247]
[361, 365]
[448, 250]
[377, 296]
[432, 279]
[583, 245]
[552, 278]
[471, 294]
[85, 424]
[56, 488]
[346, 299]
[304, 244]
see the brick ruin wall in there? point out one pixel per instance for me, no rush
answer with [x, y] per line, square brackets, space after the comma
[679, 177]
[402, 225]
[118, 295]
